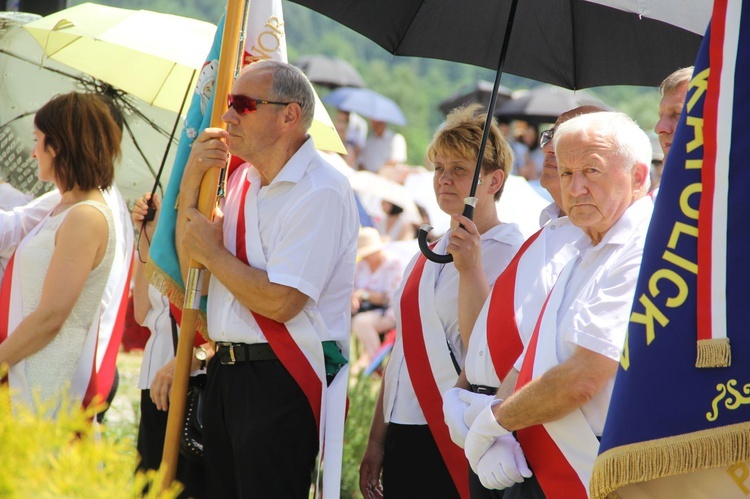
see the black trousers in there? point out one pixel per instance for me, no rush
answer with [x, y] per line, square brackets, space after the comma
[528, 489]
[260, 437]
[413, 466]
[477, 490]
[151, 431]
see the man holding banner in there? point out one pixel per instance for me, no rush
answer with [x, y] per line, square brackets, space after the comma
[565, 382]
[282, 259]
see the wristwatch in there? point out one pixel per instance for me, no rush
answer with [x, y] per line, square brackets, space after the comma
[201, 354]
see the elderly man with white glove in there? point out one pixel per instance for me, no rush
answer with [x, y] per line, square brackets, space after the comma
[567, 372]
[506, 321]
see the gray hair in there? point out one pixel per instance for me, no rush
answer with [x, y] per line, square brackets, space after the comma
[290, 85]
[675, 80]
[628, 141]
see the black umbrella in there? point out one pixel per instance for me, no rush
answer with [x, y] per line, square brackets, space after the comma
[330, 72]
[570, 43]
[544, 104]
[480, 92]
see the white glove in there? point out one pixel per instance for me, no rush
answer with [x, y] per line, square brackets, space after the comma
[453, 415]
[503, 464]
[482, 435]
[475, 402]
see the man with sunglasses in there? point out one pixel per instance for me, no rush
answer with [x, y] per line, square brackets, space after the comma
[281, 251]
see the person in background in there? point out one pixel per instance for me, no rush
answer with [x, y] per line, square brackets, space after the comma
[395, 227]
[377, 276]
[151, 309]
[409, 442]
[352, 130]
[10, 197]
[383, 147]
[18, 221]
[673, 91]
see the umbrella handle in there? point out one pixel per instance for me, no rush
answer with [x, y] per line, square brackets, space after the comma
[425, 229]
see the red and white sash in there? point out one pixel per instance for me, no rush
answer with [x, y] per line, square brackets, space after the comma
[561, 453]
[100, 378]
[295, 342]
[428, 361]
[504, 341]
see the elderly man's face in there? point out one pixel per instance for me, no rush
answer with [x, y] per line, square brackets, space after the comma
[596, 186]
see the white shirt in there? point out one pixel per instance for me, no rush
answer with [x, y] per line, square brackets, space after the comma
[537, 272]
[385, 279]
[595, 308]
[308, 225]
[551, 212]
[378, 151]
[15, 224]
[159, 349]
[10, 197]
[400, 404]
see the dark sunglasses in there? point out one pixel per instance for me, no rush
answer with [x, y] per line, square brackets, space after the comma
[546, 136]
[244, 104]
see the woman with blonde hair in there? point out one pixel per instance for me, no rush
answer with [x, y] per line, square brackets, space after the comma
[409, 441]
[60, 269]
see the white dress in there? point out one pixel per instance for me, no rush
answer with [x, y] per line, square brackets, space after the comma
[49, 369]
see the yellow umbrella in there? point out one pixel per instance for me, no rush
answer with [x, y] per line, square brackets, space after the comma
[141, 53]
[146, 54]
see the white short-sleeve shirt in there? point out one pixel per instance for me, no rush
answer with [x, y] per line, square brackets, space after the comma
[390, 147]
[308, 225]
[400, 404]
[537, 272]
[595, 307]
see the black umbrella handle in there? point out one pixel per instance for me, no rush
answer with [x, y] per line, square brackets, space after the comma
[425, 229]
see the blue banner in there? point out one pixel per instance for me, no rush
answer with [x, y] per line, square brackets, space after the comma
[701, 415]
[164, 266]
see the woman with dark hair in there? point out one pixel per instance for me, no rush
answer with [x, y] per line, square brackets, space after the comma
[60, 269]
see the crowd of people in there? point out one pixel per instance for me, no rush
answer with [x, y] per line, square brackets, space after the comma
[500, 376]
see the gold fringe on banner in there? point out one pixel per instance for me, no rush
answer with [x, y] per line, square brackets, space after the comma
[174, 292]
[714, 353]
[663, 457]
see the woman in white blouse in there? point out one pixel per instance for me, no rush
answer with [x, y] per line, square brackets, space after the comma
[409, 441]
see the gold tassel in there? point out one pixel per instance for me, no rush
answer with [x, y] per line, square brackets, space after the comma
[652, 459]
[714, 353]
[174, 292]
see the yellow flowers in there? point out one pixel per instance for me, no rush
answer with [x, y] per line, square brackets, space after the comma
[66, 457]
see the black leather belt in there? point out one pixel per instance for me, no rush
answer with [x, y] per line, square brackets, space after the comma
[483, 389]
[231, 353]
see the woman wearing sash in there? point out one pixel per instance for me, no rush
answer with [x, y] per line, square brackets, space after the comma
[60, 269]
[409, 442]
